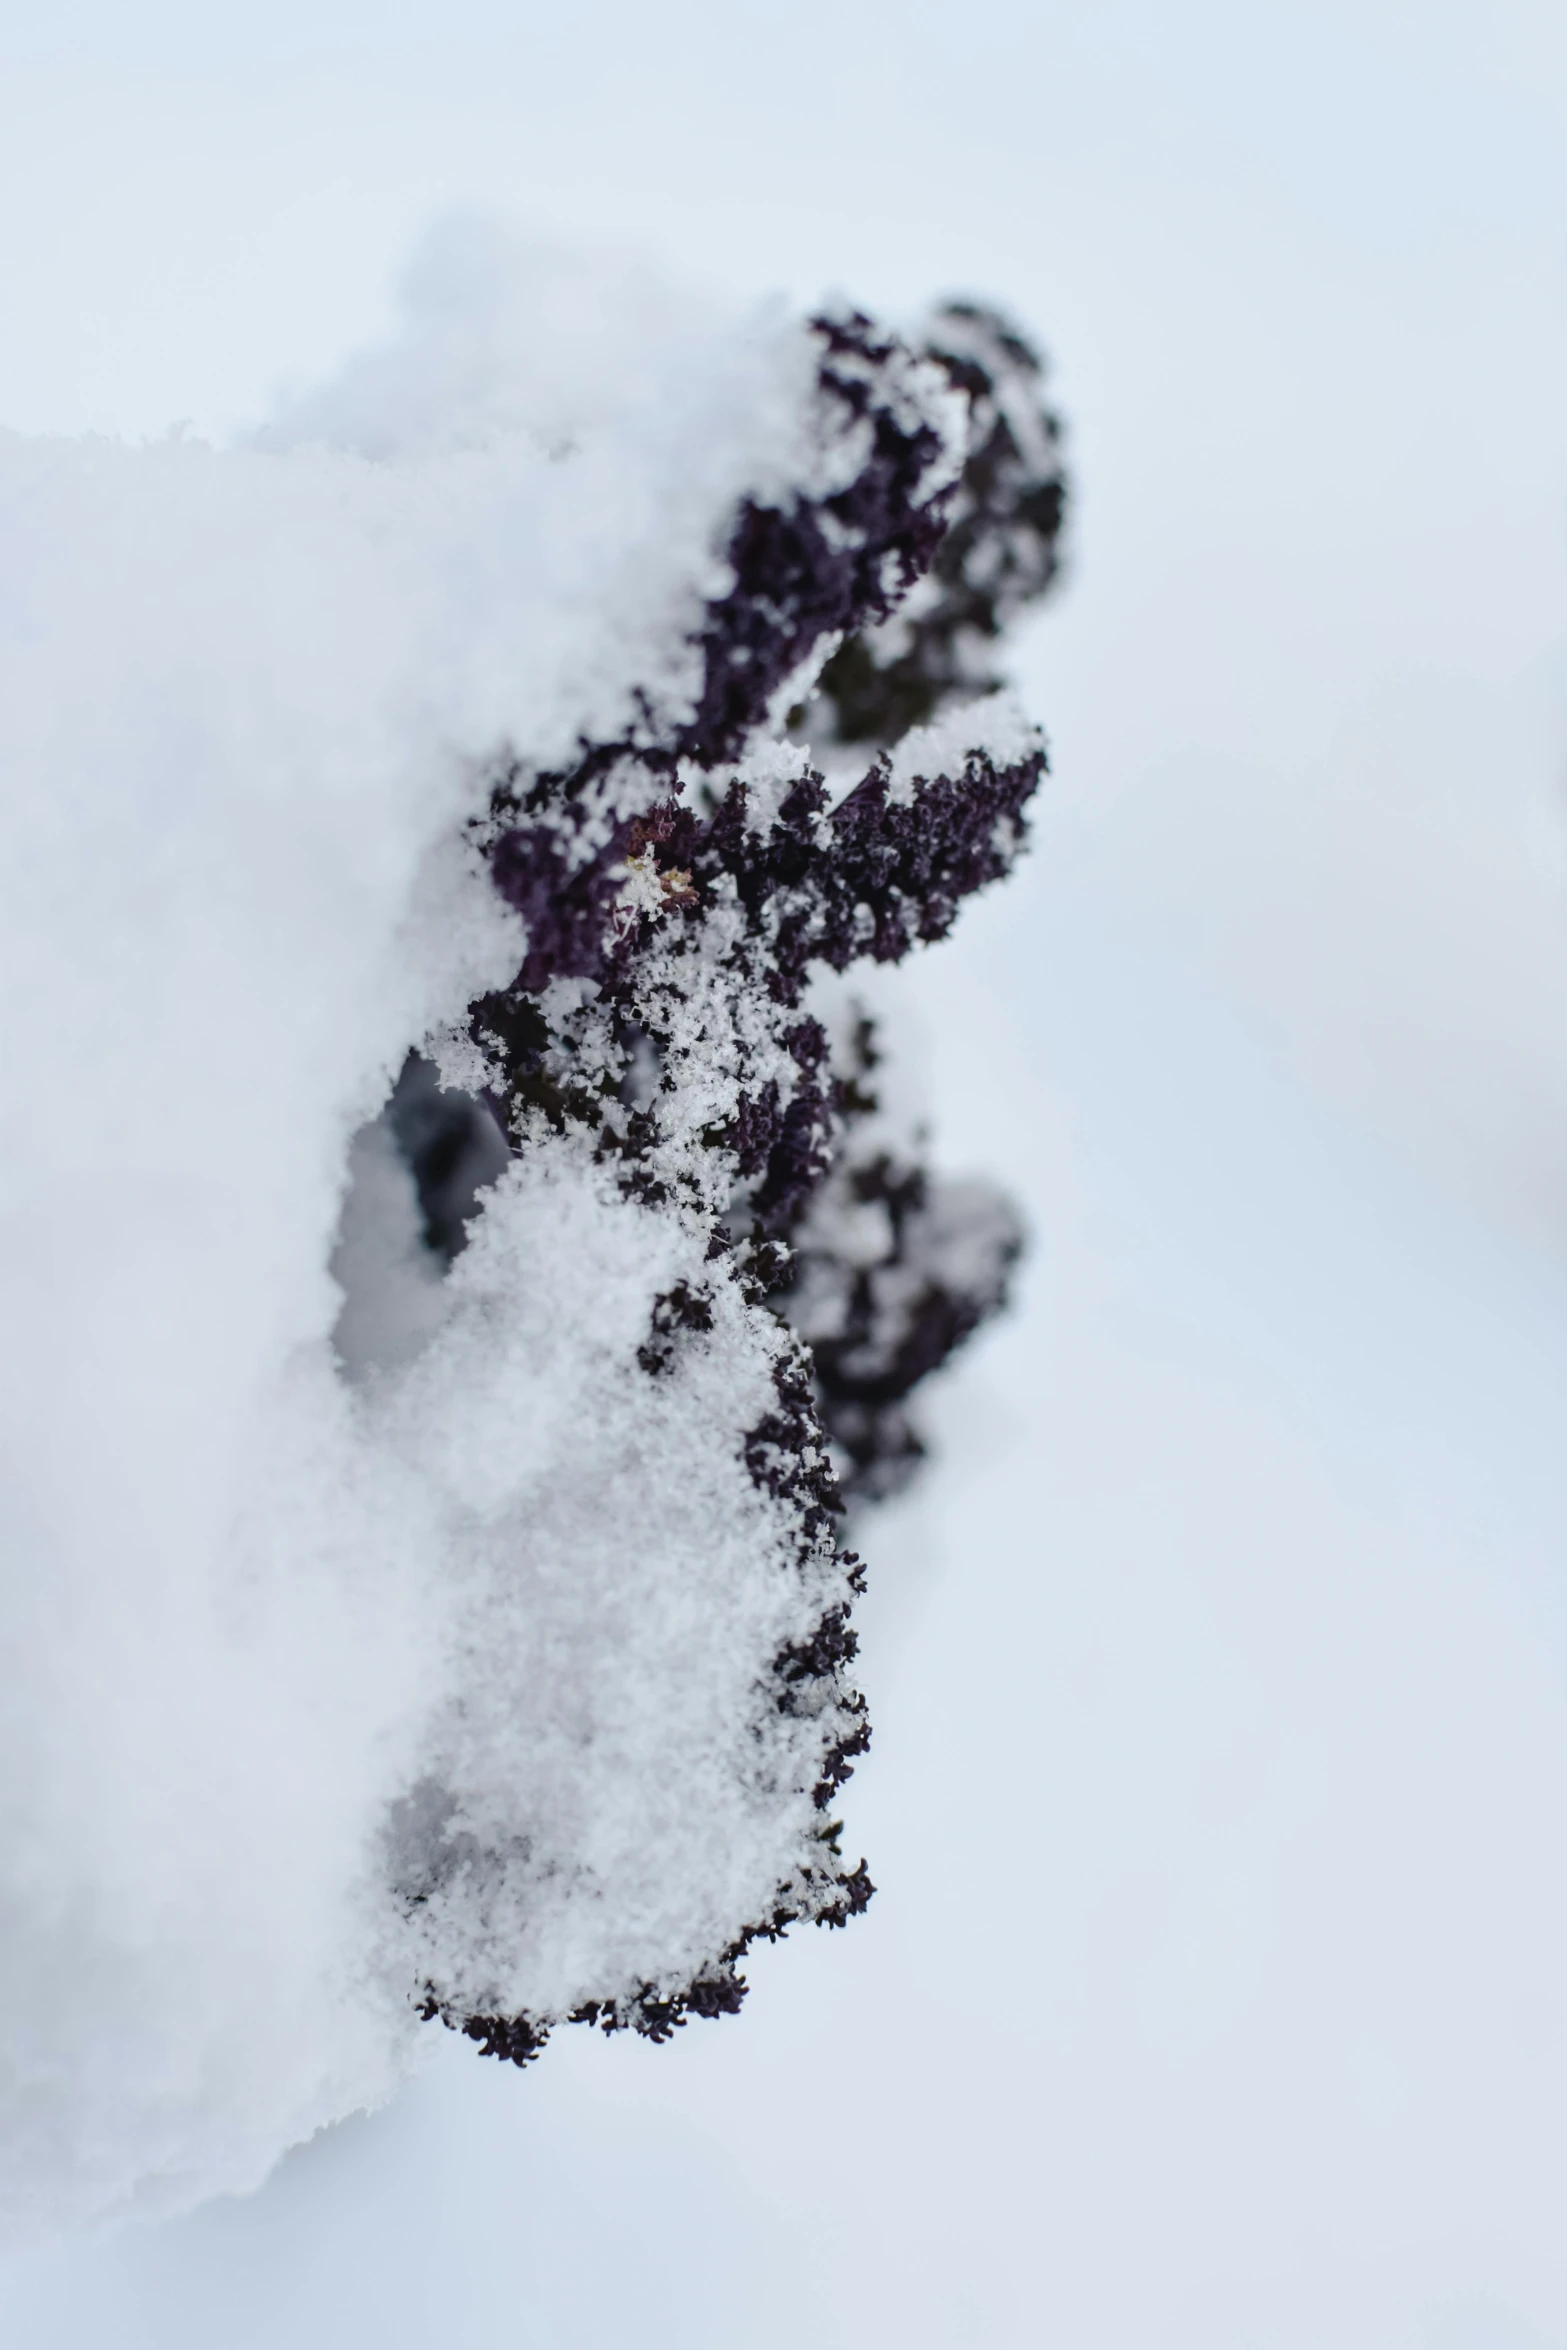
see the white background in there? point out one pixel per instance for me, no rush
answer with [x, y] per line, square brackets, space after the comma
[1216, 1991]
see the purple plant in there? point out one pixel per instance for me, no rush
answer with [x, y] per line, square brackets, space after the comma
[682, 887]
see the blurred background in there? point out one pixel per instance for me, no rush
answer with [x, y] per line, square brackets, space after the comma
[1216, 1991]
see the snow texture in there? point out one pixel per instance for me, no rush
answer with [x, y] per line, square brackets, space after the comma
[424, 1588]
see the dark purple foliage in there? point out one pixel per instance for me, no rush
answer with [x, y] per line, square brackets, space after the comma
[1000, 551]
[820, 884]
[820, 567]
[567, 907]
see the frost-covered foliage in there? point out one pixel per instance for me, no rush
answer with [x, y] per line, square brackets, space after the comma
[426, 1589]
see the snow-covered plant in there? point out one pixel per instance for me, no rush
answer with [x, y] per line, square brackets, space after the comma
[681, 886]
[549, 715]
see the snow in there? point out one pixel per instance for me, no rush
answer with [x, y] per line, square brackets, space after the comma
[1212, 1994]
[620, 1584]
[371, 1641]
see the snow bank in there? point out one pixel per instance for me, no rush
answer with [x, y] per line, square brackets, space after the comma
[423, 1666]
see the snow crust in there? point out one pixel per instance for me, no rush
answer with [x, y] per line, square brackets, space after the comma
[257, 1586]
